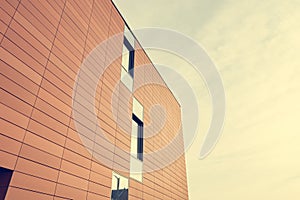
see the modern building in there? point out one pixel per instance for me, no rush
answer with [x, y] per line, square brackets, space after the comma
[79, 107]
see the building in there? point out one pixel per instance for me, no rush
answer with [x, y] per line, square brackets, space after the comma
[46, 150]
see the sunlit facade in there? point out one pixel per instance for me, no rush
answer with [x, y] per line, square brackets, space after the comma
[44, 151]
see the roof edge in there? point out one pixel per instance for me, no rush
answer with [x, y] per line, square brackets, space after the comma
[136, 39]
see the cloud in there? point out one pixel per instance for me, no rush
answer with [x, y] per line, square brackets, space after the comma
[256, 46]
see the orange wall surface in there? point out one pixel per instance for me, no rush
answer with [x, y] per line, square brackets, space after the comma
[42, 46]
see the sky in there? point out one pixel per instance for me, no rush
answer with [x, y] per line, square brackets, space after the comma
[255, 46]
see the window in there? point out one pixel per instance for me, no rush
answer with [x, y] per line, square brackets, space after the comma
[5, 176]
[128, 57]
[137, 141]
[137, 138]
[127, 69]
[119, 187]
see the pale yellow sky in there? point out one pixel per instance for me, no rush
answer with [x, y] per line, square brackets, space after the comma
[255, 45]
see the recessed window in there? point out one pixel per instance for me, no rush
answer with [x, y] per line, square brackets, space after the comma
[137, 138]
[137, 141]
[5, 176]
[128, 57]
[128, 52]
[127, 69]
[119, 187]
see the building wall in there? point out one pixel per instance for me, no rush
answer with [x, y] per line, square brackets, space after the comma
[42, 46]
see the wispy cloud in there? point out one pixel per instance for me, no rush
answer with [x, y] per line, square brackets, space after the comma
[256, 46]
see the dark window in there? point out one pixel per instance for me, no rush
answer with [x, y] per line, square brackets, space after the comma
[140, 139]
[129, 60]
[119, 187]
[5, 176]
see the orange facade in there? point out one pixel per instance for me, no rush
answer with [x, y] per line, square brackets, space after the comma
[43, 44]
